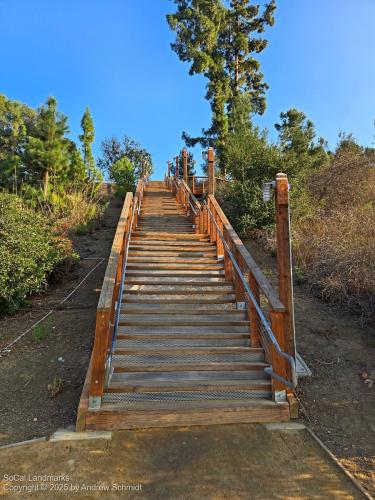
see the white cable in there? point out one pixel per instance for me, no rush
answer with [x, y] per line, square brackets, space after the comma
[6, 348]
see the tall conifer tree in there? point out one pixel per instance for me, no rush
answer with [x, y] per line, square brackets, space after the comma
[220, 43]
[87, 138]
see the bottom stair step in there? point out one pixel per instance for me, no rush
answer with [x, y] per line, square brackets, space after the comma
[160, 414]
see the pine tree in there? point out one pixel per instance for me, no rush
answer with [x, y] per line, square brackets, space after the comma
[220, 43]
[47, 150]
[87, 138]
[16, 122]
[190, 165]
[297, 141]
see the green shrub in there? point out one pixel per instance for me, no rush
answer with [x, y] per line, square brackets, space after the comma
[29, 250]
[123, 173]
[244, 206]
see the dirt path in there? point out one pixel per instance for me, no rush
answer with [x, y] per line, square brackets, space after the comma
[336, 402]
[58, 349]
[216, 462]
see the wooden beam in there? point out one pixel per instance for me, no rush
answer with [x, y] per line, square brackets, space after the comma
[284, 258]
[211, 171]
[176, 174]
[185, 164]
[262, 281]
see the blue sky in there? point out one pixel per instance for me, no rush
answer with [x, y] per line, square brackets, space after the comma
[114, 56]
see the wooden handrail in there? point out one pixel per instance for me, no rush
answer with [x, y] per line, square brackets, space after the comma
[108, 296]
[267, 289]
[105, 299]
[241, 269]
[191, 195]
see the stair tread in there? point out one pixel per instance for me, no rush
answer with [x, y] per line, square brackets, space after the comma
[190, 407]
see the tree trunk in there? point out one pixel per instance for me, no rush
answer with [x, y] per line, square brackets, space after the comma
[45, 183]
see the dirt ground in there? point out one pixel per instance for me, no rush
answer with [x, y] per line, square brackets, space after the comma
[335, 402]
[215, 462]
[59, 349]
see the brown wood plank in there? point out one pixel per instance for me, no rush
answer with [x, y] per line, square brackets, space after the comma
[242, 413]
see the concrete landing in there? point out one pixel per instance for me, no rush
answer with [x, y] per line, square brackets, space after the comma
[217, 462]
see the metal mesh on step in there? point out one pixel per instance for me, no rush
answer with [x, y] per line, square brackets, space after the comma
[181, 396]
[132, 359]
[124, 344]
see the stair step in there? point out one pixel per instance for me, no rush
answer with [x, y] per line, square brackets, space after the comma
[130, 399]
[175, 308]
[179, 266]
[124, 342]
[180, 290]
[191, 244]
[185, 254]
[164, 298]
[174, 260]
[167, 236]
[189, 377]
[189, 329]
[125, 365]
[151, 314]
[174, 272]
[174, 350]
[167, 279]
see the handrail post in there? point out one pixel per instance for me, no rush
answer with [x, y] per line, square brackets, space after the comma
[185, 164]
[211, 171]
[102, 331]
[284, 259]
[176, 173]
[278, 363]
[168, 182]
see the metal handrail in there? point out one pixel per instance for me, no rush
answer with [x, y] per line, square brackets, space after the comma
[265, 323]
[136, 207]
[178, 183]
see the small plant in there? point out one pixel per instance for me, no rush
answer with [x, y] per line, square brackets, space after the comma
[42, 331]
[56, 386]
[299, 275]
[267, 272]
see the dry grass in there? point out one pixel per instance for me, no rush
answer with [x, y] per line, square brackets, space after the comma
[335, 247]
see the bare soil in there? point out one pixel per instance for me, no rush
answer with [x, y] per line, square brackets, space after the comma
[218, 462]
[335, 401]
[59, 350]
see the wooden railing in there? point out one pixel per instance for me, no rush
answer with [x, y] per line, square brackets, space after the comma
[199, 184]
[268, 316]
[187, 199]
[109, 300]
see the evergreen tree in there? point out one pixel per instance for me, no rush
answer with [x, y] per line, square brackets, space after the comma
[250, 161]
[190, 165]
[77, 168]
[87, 138]
[297, 141]
[220, 43]
[16, 122]
[47, 150]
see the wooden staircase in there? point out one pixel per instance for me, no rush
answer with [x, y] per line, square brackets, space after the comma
[182, 354]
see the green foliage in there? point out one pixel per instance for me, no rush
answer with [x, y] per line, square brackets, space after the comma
[250, 161]
[114, 150]
[220, 42]
[43, 330]
[300, 157]
[123, 173]
[87, 138]
[47, 149]
[29, 250]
